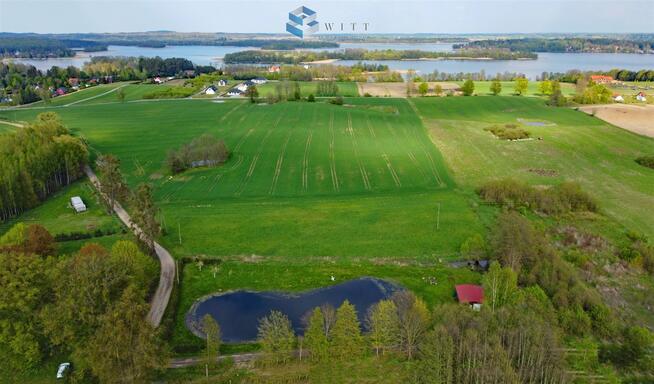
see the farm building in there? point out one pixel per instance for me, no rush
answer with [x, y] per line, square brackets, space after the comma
[600, 79]
[78, 204]
[211, 90]
[470, 294]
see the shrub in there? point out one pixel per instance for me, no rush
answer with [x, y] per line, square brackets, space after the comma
[338, 100]
[646, 161]
[311, 98]
[508, 132]
[565, 197]
[203, 151]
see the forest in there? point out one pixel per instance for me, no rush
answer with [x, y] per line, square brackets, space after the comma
[570, 44]
[39, 47]
[36, 161]
[269, 57]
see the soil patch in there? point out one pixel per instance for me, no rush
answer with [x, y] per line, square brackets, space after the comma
[634, 118]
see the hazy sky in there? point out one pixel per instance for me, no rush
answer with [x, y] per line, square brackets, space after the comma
[462, 16]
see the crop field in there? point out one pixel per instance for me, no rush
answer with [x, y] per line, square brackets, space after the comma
[304, 179]
[345, 88]
[574, 147]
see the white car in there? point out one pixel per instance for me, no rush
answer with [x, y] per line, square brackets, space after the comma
[63, 368]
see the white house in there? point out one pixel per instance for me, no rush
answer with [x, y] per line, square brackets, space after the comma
[211, 90]
[78, 204]
[222, 83]
[618, 98]
[158, 80]
[259, 80]
[244, 86]
[641, 97]
[235, 92]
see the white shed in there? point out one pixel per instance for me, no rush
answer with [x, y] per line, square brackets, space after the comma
[210, 90]
[78, 204]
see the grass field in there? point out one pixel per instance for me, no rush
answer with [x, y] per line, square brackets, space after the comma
[482, 88]
[83, 94]
[345, 88]
[56, 215]
[577, 147]
[304, 179]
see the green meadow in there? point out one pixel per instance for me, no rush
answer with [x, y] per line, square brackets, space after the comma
[304, 179]
[345, 88]
[574, 147]
[482, 88]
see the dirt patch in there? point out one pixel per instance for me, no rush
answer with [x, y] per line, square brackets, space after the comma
[573, 237]
[634, 118]
[399, 89]
[543, 172]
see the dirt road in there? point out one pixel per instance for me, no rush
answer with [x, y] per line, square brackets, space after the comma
[162, 294]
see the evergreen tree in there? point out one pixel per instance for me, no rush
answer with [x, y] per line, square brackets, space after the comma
[384, 325]
[347, 342]
[314, 337]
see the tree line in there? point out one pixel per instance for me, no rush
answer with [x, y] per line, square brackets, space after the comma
[36, 161]
[297, 57]
[570, 44]
[40, 47]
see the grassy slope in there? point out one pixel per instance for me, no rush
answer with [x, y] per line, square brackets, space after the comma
[347, 89]
[580, 147]
[79, 95]
[240, 209]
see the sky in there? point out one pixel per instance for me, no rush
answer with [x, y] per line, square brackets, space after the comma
[425, 16]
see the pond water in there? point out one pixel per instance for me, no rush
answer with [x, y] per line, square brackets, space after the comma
[238, 312]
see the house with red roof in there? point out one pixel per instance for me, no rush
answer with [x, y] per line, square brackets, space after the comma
[601, 79]
[470, 294]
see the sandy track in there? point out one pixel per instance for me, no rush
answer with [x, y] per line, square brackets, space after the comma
[635, 118]
[161, 296]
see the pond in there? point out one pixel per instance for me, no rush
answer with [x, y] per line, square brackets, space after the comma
[238, 312]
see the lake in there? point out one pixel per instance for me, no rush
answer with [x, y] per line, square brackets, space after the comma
[238, 312]
[546, 62]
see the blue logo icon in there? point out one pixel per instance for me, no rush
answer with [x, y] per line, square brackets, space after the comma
[302, 22]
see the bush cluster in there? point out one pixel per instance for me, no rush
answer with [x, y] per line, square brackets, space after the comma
[562, 198]
[508, 132]
[84, 235]
[646, 161]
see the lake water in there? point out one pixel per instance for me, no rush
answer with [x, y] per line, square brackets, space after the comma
[198, 54]
[546, 62]
[238, 312]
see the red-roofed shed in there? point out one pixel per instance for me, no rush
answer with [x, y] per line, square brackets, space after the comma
[470, 294]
